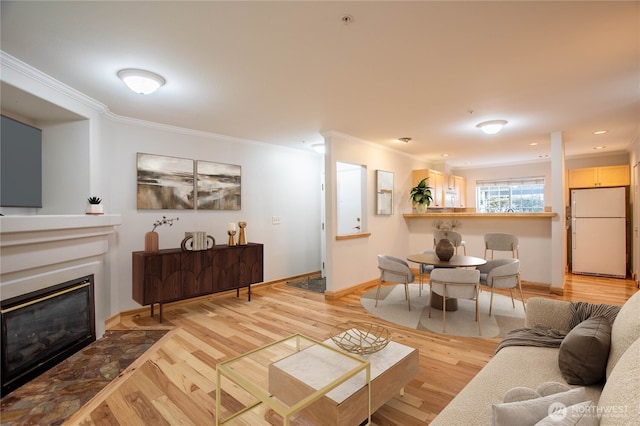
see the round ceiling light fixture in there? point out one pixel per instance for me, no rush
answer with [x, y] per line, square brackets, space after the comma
[404, 140]
[318, 147]
[141, 81]
[492, 127]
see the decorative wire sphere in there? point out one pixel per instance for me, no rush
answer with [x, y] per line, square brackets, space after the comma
[361, 338]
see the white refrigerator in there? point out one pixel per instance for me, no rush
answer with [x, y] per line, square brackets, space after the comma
[598, 232]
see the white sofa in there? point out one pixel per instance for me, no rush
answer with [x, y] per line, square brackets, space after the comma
[618, 399]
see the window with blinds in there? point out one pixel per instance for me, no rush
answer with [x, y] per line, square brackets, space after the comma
[523, 195]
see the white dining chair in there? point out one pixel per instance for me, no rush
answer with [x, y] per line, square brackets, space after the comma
[501, 242]
[501, 273]
[397, 270]
[455, 283]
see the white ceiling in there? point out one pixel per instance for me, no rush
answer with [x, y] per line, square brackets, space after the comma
[283, 72]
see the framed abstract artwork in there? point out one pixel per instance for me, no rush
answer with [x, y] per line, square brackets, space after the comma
[218, 186]
[164, 182]
[384, 192]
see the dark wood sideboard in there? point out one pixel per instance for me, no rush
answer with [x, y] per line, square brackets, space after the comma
[174, 274]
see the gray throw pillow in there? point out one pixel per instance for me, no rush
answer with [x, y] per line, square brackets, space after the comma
[584, 352]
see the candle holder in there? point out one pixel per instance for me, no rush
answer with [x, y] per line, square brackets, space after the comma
[242, 238]
[232, 241]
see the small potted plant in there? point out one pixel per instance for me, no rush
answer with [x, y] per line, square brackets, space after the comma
[421, 196]
[94, 206]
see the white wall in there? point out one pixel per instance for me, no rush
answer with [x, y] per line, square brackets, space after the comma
[354, 261]
[612, 159]
[66, 165]
[276, 181]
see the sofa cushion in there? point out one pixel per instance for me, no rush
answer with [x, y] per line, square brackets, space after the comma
[584, 352]
[618, 402]
[533, 410]
[548, 313]
[624, 331]
[581, 414]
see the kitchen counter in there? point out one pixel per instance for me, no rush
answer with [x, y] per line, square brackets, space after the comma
[455, 215]
[532, 229]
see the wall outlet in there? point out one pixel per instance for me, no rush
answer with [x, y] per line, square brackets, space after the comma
[275, 220]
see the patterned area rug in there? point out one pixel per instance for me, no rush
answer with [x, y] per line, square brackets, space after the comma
[54, 396]
[392, 307]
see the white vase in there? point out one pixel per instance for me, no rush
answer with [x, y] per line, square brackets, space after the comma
[95, 209]
[421, 208]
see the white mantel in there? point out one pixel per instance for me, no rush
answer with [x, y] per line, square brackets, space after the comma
[37, 252]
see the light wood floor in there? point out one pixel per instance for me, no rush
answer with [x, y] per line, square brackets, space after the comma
[174, 382]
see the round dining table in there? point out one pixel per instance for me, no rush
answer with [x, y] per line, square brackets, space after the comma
[456, 261]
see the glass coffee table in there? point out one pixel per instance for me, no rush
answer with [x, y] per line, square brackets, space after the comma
[300, 381]
[284, 382]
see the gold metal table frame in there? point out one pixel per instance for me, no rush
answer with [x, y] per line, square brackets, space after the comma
[250, 371]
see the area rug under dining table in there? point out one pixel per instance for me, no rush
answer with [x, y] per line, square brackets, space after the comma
[392, 307]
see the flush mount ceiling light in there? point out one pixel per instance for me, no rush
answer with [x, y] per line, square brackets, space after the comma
[141, 81]
[404, 140]
[600, 132]
[318, 147]
[492, 127]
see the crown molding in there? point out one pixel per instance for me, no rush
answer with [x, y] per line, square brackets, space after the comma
[32, 73]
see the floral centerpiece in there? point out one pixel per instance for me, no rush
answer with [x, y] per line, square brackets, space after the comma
[446, 225]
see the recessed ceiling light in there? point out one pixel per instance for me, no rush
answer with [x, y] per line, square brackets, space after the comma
[492, 127]
[600, 132]
[599, 147]
[445, 155]
[533, 143]
[141, 81]
[346, 19]
[404, 140]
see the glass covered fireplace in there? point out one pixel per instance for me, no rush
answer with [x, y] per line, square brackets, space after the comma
[42, 328]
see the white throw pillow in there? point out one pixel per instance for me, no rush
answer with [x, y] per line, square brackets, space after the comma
[531, 411]
[582, 414]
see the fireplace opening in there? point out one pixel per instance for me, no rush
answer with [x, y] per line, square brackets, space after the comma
[42, 328]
